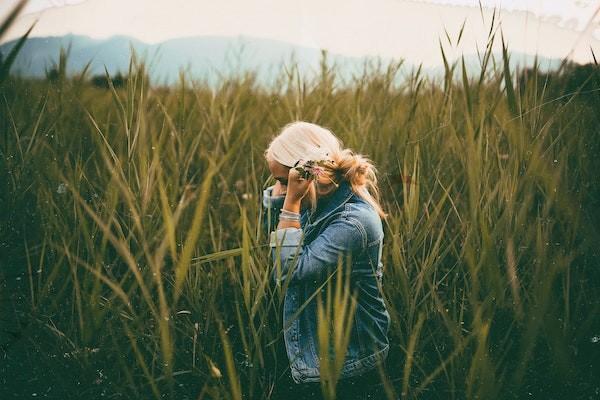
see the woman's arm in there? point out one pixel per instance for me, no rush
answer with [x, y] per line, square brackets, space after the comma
[316, 260]
[313, 261]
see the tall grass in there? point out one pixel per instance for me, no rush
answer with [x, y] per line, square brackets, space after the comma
[133, 255]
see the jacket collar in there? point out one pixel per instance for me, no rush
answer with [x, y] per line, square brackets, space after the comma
[331, 203]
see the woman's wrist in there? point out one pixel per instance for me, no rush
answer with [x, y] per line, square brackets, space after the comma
[290, 206]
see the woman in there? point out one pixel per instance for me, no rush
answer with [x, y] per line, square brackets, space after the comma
[312, 221]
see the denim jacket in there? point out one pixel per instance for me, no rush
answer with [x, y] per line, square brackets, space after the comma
[342, 223]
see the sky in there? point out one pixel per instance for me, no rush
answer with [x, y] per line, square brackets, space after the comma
[389, 28]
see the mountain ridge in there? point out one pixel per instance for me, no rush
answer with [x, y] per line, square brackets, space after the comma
[207, 57]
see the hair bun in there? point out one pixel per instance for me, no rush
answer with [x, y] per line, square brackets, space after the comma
[355, 168]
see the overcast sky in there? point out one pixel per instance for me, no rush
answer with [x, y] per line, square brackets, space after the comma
[391, 28]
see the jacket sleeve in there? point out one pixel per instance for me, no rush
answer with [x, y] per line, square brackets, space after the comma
[316, 260]
[272, 206]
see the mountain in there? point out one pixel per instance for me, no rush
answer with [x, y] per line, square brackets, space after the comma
[209, 57]
[201, 57]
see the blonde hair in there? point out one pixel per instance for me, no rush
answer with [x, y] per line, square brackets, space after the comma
[302, 140]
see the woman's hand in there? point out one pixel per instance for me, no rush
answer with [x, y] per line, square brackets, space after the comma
[297, 186]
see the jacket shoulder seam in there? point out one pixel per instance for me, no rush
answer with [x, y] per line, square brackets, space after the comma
[363, 233]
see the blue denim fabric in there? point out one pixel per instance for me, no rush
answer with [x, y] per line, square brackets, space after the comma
[343, 223]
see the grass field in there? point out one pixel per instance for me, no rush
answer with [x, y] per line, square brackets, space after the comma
[133, 264]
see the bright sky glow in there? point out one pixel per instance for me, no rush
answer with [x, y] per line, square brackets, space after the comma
[571, 14]
[38, 5]
[390, 28]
